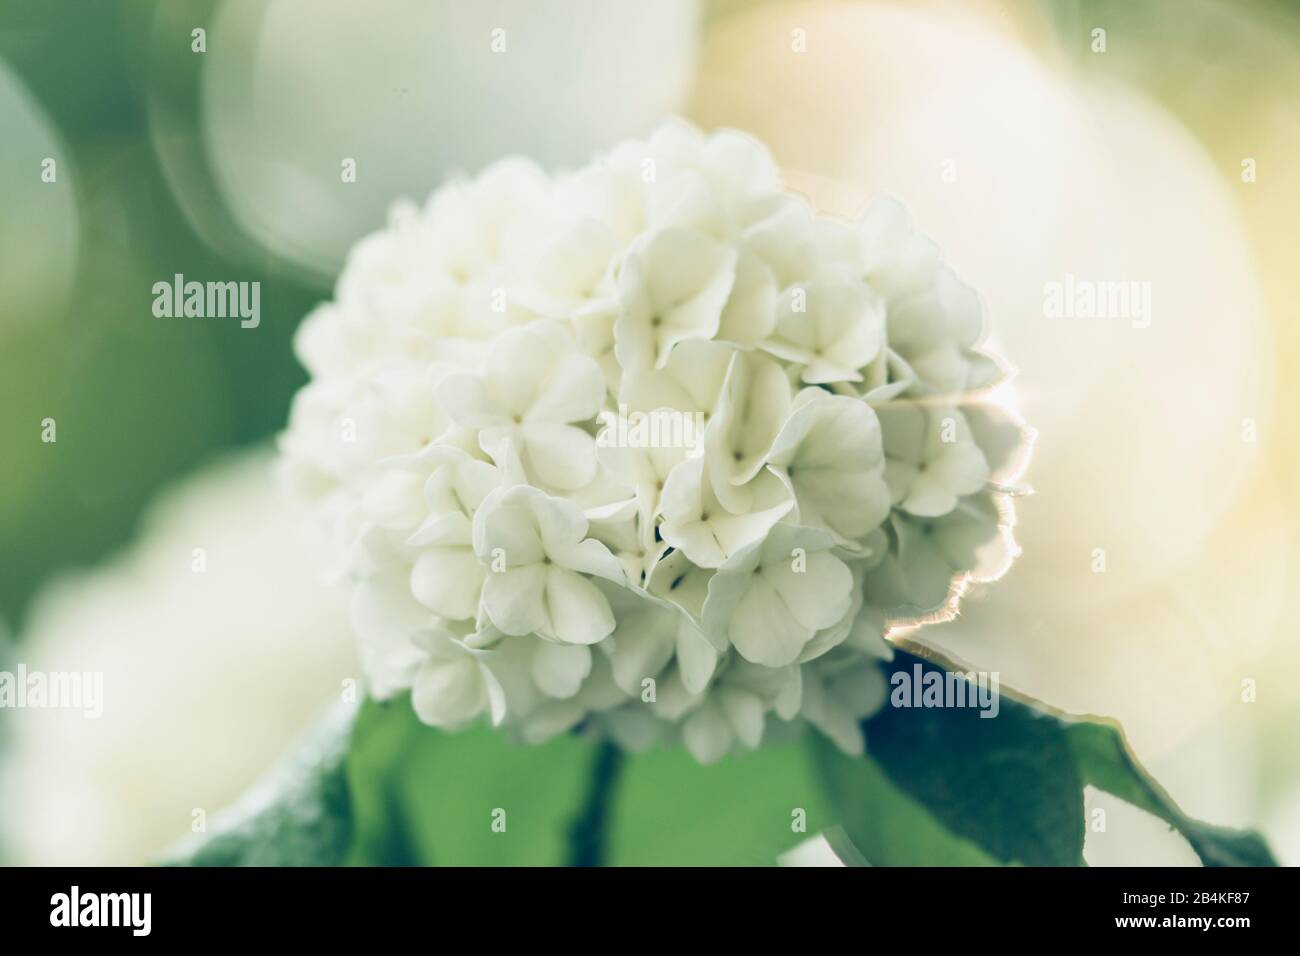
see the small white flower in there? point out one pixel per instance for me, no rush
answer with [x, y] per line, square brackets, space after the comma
[833, 325]
[534, 386]
[690, 382]
[830, 452]
[738, 441]
[522, 553]
[649, 635]
[931, 459]
[452, 683]
[539, 555]
[769, 599]
[698, 523]
[447, 576]
[672, 290]
[572, 275]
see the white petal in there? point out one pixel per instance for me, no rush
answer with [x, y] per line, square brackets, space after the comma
[448, 581]
[394, 500]
[962, 468]
[696, 522]
[506, 528]
[830, 448]
[744, 711]
[750, 313]
[465, 400]
[560, 669]
[514, 599]
[904, 431]
[754, 403]
[578, 613]
[928, 495]
[690, 382]
[762, 627]
[696, 657]
[817, 596]
[574, 393]
[522, 365]
[769, 499]
[385, 616]
[450, 692]
[899, 477]
[675, 579]
[590, 557]
[562, 456]
[643, 646]
[707, 735]
[673, 289]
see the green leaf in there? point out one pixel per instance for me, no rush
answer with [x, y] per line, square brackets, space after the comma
[669, 810]
[883, 824]
[432, 798]
[1106, 762]
[383, 735]
[300, 815]
[1009, 787]
[1008, 783]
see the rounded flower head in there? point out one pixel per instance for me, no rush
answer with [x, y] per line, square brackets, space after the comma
[650, 449]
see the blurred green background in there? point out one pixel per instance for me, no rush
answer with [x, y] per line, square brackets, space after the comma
[137, 400]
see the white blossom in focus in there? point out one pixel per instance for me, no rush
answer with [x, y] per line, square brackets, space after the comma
[649, 449]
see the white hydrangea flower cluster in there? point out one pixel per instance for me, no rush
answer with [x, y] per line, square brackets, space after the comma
[650, 448]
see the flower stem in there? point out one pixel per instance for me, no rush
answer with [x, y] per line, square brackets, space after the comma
[588, 835]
